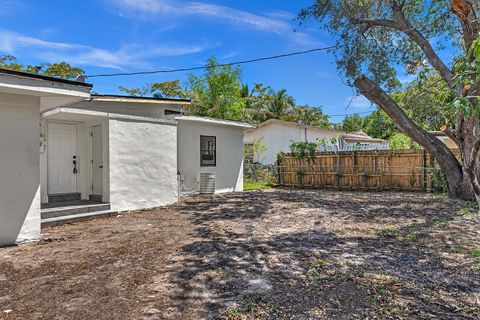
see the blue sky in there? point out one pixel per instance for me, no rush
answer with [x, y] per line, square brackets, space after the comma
[107, 36]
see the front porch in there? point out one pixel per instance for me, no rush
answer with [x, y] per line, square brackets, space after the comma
[58, 213]
[74, 162]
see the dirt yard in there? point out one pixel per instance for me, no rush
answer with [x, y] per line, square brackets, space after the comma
[255, 255]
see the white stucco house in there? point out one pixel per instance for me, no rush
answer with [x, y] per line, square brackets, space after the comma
[23, 98]
[277, 135]
[77, 155]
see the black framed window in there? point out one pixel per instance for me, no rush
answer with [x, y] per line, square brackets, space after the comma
[208, 151]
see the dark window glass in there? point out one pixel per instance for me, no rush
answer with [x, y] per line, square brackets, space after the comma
[208, 151]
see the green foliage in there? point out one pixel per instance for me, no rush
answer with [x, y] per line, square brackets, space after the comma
[249, 185]
[352, 123]
[378, 125]
[277, 104]
[217, 92]
[439, 181]
[307, 115]
[165, 89]
[303, 149]
[135, 92]
[168, 89]
[399, 141]
[254, 152]
[60, 70]
[378, 51]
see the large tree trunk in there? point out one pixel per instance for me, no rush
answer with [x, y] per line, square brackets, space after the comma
[458, 178]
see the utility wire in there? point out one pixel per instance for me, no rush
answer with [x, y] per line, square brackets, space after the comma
[208, 67]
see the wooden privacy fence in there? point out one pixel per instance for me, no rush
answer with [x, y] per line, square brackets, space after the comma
[408, 170]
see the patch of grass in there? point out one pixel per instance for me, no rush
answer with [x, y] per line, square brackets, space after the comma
[378, 296]
[441, 222]
[313, 273]
[248, 185]
[468, 209]
[318, 262]
[234, 313]
[475, 252]
[477, 265]
[439, 196]
[457, 250]
[412, 235]
[388, 232]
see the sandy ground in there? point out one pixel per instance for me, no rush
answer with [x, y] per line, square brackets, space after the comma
[279, 254]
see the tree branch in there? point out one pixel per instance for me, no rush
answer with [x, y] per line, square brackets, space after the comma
[423, 43]
[465, 11]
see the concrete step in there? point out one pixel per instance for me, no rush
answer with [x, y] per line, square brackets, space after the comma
[73, 208]
[57, 221]
[64, 197]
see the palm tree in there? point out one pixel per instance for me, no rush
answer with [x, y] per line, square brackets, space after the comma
[277, 104]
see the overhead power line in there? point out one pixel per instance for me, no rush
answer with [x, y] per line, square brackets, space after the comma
[207, 67]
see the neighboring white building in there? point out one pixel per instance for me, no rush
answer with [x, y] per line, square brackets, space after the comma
[279, 134]
[83, 156]
[22, 98]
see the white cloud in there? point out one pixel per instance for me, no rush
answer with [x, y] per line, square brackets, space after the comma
[278, 22]
[77, 54]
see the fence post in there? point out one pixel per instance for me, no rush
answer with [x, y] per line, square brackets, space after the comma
[279, 172]
[424, 170]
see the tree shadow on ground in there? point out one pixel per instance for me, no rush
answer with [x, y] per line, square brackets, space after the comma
[317, 273]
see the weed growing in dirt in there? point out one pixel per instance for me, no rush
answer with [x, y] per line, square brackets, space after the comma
[475, 252]
[388, 232]
[412, 235]
[468, 209]
[378, 295]
[457, 250]
[477, 265]
[234, 313]
[439, 196]
[441, 222]
[318, 262]
[313, 273]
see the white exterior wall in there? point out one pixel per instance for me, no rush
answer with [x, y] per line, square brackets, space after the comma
[143, 164]
[140, 109]
[229, 149]
[278, 137]
[19, 168]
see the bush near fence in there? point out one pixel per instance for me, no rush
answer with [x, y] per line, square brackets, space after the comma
[406, 170]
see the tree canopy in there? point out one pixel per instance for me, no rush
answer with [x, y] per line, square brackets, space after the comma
[61, 69]
[375, 39]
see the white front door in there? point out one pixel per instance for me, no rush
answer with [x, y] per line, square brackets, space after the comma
[97, 161]
[62, 158]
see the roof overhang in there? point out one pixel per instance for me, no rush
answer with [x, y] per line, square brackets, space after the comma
[130, 99]
[52, 92]
[80, 115]
[359, 139]
[206, 120]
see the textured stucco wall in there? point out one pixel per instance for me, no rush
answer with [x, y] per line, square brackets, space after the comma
[153, 110]
[278, 137]
[229, 168]
[19, 168]
[143, 164]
